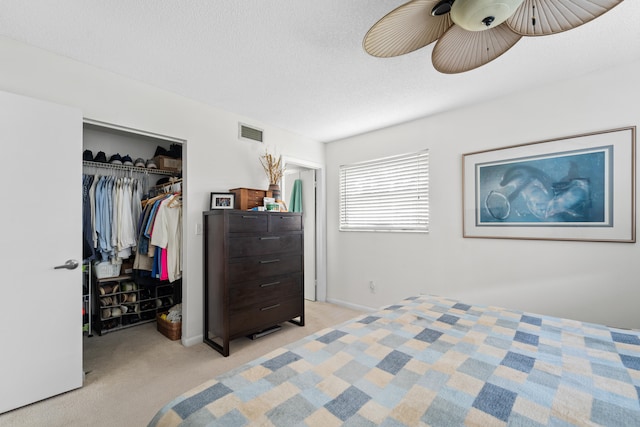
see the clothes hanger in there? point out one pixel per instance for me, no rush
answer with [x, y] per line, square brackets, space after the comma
[153, 199]
[177, 200]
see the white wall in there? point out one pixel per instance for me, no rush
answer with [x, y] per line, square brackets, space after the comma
[589, 281]
[215, 159]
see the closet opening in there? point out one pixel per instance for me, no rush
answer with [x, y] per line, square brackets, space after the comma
[132, 231]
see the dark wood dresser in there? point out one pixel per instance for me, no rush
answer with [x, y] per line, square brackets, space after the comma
[253, 274]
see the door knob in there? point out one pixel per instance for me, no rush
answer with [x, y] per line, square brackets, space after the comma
[71, 264]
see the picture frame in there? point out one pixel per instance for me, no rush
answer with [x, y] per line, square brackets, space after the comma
[577, 188]
[222, 201]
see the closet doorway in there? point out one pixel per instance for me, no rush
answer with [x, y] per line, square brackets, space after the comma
[304, 178]
[123, 286]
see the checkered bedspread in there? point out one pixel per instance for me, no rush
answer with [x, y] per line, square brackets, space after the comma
[431, 361]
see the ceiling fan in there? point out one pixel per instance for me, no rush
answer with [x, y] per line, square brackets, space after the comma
[471, 33]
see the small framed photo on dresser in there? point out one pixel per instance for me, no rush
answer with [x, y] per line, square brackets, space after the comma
[222, 200]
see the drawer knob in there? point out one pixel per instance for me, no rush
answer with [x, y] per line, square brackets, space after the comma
[269, 261]
[264, 285]
[270, 307]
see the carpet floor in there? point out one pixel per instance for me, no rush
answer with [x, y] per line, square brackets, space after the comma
[130, 374]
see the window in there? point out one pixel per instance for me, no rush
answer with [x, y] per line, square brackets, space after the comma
[390, 194]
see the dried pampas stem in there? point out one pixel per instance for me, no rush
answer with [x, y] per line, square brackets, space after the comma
[272, 167]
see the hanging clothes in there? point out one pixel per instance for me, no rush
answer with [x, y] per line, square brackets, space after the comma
[295, 203]
[118, 224]
[110, 207]
[103, 218]
[160, 238]
[167, 235]
[88, 252]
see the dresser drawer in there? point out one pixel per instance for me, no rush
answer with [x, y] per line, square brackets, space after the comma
[248, 294]
[262, 245]
[265, 315]
[254, 268]
[280, 222]
[248, 223]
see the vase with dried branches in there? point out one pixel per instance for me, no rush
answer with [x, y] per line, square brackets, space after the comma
[274, 169]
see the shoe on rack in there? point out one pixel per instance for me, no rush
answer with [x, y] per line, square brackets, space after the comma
[100, 157]
[87, 155]
[139, 163]
[151, 164]
[126, 160]
[115, 159]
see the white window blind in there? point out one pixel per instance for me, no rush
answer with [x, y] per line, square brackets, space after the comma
[390, 194]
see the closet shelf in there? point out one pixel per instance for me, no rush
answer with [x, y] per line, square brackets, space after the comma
[127, 168]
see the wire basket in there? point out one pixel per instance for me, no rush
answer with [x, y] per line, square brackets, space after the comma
[106, 269]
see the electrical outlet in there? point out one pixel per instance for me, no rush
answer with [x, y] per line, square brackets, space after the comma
[372, 287]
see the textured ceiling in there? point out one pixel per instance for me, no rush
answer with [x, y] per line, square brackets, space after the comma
[299, 64]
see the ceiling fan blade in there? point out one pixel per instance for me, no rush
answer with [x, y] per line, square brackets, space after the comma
[459, 50]
[405, 29]
[544, 17]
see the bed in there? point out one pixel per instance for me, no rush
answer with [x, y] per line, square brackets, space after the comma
[431, 361]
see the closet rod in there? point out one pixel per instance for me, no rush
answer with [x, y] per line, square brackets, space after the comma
[127, 168]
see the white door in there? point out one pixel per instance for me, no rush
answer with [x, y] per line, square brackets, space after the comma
[41, 227]
[308, 178]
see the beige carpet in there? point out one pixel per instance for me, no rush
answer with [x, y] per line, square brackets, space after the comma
[132, 373]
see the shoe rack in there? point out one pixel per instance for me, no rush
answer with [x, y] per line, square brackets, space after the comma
[122, 302]
[87, 289]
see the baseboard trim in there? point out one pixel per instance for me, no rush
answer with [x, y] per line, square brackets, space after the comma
[350, 305]
[188, 342]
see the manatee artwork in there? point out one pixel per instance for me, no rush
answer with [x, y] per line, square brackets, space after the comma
[552, 190]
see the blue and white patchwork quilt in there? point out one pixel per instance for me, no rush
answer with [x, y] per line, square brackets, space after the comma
[431, 361]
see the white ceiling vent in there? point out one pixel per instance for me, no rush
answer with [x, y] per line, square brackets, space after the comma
[252, 133]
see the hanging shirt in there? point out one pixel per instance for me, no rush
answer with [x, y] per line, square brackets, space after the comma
[87, 230]
[92, 197]
[103, 217]
[136, 204]
[115, 212]
[143, 261]
[126, 229]
[167, 234]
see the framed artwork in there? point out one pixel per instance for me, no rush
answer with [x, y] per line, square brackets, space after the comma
[222, 200]
[579, 187]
